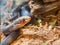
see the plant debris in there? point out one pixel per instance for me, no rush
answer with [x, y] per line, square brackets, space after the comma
[42, 28]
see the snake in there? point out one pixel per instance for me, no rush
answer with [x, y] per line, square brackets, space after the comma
[21, 16]
[18, 20]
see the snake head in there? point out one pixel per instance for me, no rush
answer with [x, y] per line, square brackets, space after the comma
[18, 23]
[21, 21]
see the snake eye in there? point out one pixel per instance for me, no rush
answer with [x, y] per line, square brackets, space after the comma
[32, 2]
[24, 19]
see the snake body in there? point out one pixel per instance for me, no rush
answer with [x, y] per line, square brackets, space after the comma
[12, 36]
[20, 21]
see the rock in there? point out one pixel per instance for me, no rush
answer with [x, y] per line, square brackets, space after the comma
[46, 8]
[47, 1]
